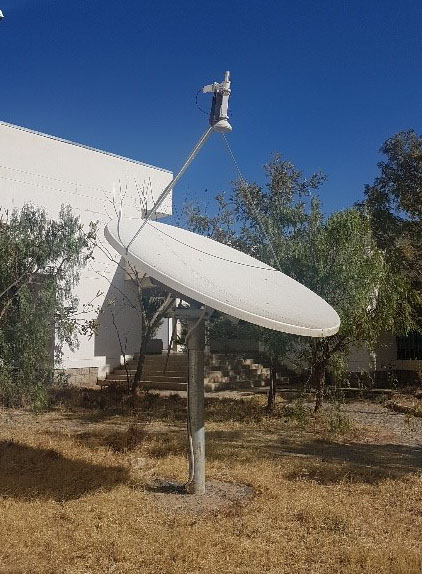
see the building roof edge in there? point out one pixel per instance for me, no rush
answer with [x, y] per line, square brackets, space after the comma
[69, 142]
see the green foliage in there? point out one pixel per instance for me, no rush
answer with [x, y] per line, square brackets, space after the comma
[398, 188]
[340, 261]
[298, 412]
[394, 201]
[335, 256]
[338, 422]
[39, 263]
[223, 328]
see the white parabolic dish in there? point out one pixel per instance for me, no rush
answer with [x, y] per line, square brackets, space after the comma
[223, 278]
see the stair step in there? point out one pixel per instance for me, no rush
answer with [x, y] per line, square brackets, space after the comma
[155, 372]
[168, 366]
[216, 380]
[234, 386]
[148, 377]
[164, 379]
[221, 372]
[154, 386]
[172, 359]
[149, 385]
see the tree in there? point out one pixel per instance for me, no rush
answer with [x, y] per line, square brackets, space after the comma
[148, 302]
[154, 307]
[394, 201]
[338, 258]
[249, 219]
[39, 263]
[282, 224]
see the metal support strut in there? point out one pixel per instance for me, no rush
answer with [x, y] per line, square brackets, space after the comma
[218, 123]
[196, 431]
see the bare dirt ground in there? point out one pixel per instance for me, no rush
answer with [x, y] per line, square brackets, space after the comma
[403, 429]
[218, 496]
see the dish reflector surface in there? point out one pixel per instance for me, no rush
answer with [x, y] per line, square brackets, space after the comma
[223, 278]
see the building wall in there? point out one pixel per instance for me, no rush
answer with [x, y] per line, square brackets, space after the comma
[388, 356]
[49, 172]
[384, 358]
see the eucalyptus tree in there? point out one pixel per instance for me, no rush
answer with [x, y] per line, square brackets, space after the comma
[282, 224]
[394, 201]
[40, 259]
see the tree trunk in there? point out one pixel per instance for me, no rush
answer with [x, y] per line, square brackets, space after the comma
[146, 337]
[318, 380]
[141, 360]
[272, 389]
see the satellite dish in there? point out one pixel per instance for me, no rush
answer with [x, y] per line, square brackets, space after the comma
[222, 278]
[219, 277]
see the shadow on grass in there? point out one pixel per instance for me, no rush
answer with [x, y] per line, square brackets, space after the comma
[321, 461]
[161, 486]
[36, 473]
[154, 444]
[315, 460]
[91, 405]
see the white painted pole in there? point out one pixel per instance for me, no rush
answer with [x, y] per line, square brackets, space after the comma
[196, 430]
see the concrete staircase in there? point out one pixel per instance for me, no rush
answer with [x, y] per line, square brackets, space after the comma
[222, 372]
[153, 377]
[230, 372]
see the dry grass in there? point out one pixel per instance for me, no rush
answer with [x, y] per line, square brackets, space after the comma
[409, 404]
[75, 497]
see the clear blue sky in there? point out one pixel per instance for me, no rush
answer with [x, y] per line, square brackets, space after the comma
[323, 82]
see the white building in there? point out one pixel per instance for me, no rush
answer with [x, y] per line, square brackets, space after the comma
[50, 172]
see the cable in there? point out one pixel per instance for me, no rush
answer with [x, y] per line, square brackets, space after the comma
[196, 102]
[65, 191]
[96, 198]
[251, 203]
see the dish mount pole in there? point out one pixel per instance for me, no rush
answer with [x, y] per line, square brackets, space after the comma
[195, 317]
[195, 423]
